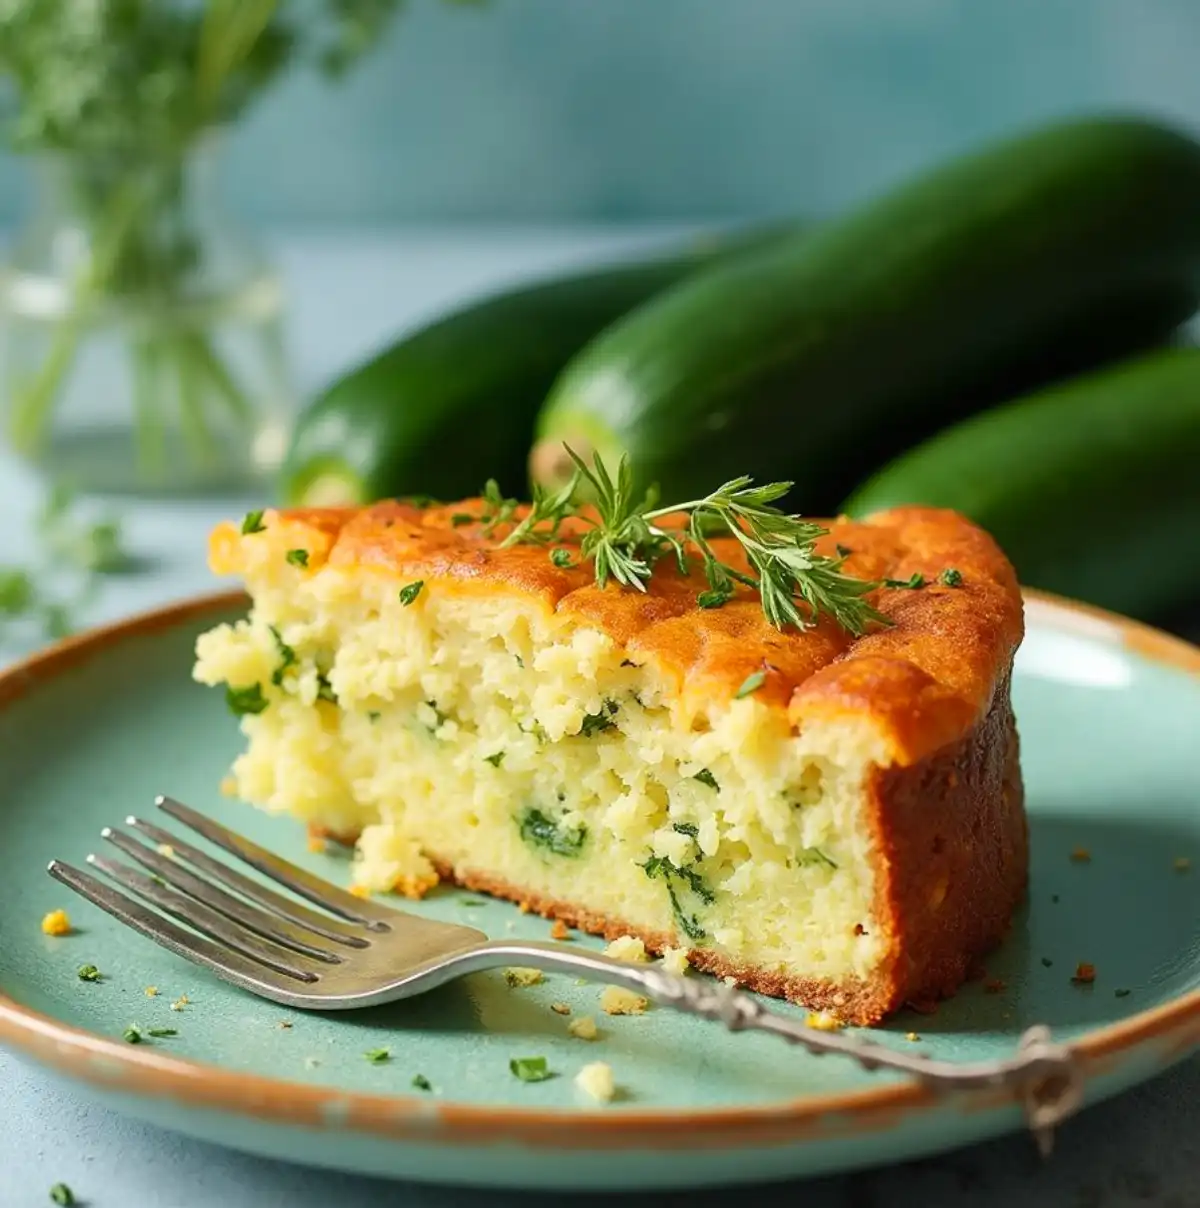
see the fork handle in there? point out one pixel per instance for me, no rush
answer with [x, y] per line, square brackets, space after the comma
[1044, 1075]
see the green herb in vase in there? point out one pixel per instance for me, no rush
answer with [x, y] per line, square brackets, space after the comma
[142, 327]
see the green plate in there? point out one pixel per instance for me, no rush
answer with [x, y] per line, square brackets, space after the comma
[1110, 718]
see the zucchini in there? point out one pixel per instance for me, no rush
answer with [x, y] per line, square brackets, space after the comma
[1092, 487]
[453, 404]
[819, 360]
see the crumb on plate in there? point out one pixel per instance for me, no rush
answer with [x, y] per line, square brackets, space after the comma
[823, 1021]
[627, 948]
[675, 960]
[1084, 974]
[616, 1000]
[57, 922]
[596, 1079]
[560, 1008]
[517, 977]
[583, 1028]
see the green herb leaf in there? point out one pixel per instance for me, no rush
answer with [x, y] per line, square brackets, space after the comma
[706, 777]
[248, 700]
[17, 592]
[751, 683]
[814, 855]
[133, 1034]
[624, 541]
[287, 657]
[562, 558]
[62, 1195]
[539, 830]
[495, 760]
[461, 518]
[378, 1056]
[686, 828]
[914, 582]
[688, 879]
[950, 577]
[89, 973]
[325, 689]
[421, 1083]
[162, 1033]
[597, 723]
[253, 523]
[298, 557]
[714, 597]
[411, 592]
[530, 1069]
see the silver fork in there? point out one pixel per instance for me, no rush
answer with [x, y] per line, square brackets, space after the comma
[356, 952]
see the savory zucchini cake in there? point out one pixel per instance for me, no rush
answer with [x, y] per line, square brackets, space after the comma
[828, 816]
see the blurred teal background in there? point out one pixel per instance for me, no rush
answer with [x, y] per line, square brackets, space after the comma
[623, 110]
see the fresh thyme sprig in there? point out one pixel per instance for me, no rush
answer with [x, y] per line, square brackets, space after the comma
[624, 541]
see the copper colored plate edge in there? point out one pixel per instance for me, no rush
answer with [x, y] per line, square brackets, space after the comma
[104, 1063]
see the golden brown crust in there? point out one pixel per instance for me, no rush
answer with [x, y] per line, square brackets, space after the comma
[925, 679]
[952, 843]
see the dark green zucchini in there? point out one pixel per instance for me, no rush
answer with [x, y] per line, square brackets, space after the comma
[1091, 487]
[819, 360]
[453, 404]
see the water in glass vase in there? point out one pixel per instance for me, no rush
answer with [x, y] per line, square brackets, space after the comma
[141, 347]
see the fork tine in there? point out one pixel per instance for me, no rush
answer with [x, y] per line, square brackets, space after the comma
[290, 875]
[216, 926]
[269, 926]
[229, 965]
[230, 878]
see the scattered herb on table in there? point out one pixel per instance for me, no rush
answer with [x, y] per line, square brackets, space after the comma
[89, 973]
[162, 1033]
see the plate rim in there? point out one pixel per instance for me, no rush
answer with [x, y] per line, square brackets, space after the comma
[105, 1064]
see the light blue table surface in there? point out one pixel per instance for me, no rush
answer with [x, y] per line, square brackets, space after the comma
[348, 295]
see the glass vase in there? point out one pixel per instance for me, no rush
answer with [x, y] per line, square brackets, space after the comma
[141, 344]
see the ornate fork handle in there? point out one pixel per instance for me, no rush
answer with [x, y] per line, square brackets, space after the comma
[1044, 1074]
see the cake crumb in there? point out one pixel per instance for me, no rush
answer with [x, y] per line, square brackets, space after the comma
[731, 982]
[616, 1000]
[560, 931]
[316, 844]
[360, 891]
[519, 978]
[181, 1002]
[166, 850]
[561, 1008]
[229, 786]
[911, 1037]
[524, 907]
[1181, 864]
[675, 960]
[583, 1028]
[627, 948]
[1081, 855]
[311, 1063]
[1085, 974]
[596, 1079]
[994, 985]
[285, 1024]
[823, 1021]
[151, 991]
[57, 923]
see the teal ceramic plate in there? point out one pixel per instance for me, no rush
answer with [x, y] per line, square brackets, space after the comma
[1110, 723]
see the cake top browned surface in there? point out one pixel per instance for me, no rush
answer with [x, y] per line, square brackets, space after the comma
[926, 678]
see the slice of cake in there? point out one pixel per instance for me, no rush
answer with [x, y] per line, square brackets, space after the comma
[828, 817]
